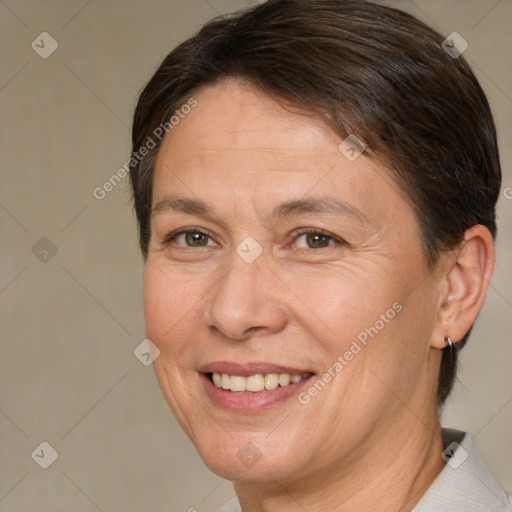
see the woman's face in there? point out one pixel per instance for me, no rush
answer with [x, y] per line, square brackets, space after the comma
[297, 259]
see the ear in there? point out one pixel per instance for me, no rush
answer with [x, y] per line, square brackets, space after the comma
[465, 279]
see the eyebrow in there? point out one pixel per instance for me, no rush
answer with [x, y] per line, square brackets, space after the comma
[324, 204]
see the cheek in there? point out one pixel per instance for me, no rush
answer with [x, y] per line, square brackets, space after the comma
[171, 306]
[368, 319]
[342, 303]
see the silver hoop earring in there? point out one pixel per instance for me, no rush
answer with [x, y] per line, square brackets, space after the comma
[449, 342]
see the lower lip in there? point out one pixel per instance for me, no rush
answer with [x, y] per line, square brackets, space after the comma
[246, 401]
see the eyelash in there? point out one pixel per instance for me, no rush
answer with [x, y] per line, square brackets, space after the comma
[169, 238]
[302, 231]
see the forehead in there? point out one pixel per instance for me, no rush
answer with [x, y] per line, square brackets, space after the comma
[232, 115]
[238, 142]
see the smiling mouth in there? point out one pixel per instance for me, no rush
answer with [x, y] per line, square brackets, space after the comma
[255, 383]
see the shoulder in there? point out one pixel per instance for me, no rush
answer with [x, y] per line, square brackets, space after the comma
[465, 484]
[231, 506]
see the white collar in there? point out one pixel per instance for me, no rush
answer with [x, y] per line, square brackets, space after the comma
[464, 485]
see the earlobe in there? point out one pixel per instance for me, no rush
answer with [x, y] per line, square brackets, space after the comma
[466, 281]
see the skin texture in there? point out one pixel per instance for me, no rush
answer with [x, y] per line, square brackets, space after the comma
[375, 423]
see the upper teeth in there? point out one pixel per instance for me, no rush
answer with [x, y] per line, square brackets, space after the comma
[254, 383]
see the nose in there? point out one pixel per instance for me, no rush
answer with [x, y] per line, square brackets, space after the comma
[245, 302]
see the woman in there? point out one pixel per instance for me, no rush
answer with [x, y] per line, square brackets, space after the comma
[315, 184]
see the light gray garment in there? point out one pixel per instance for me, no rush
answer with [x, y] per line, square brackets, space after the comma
[464, 485]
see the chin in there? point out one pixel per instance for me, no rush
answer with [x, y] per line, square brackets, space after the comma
[241, 457]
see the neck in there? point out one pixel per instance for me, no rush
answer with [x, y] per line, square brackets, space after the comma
[392, 474]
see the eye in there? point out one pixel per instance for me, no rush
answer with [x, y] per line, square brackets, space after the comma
[314, 239]
[190, 238]
[307, 238]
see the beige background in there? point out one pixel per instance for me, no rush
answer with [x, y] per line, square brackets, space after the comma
[70, 324]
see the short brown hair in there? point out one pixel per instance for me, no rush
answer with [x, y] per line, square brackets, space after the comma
[368, 70]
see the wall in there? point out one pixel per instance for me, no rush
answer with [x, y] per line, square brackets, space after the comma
[70, 279]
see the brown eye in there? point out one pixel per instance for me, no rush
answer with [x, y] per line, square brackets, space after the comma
[196, 239]
[314, 240]
[190, 238]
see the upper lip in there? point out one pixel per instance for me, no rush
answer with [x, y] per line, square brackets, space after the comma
[248, 369]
